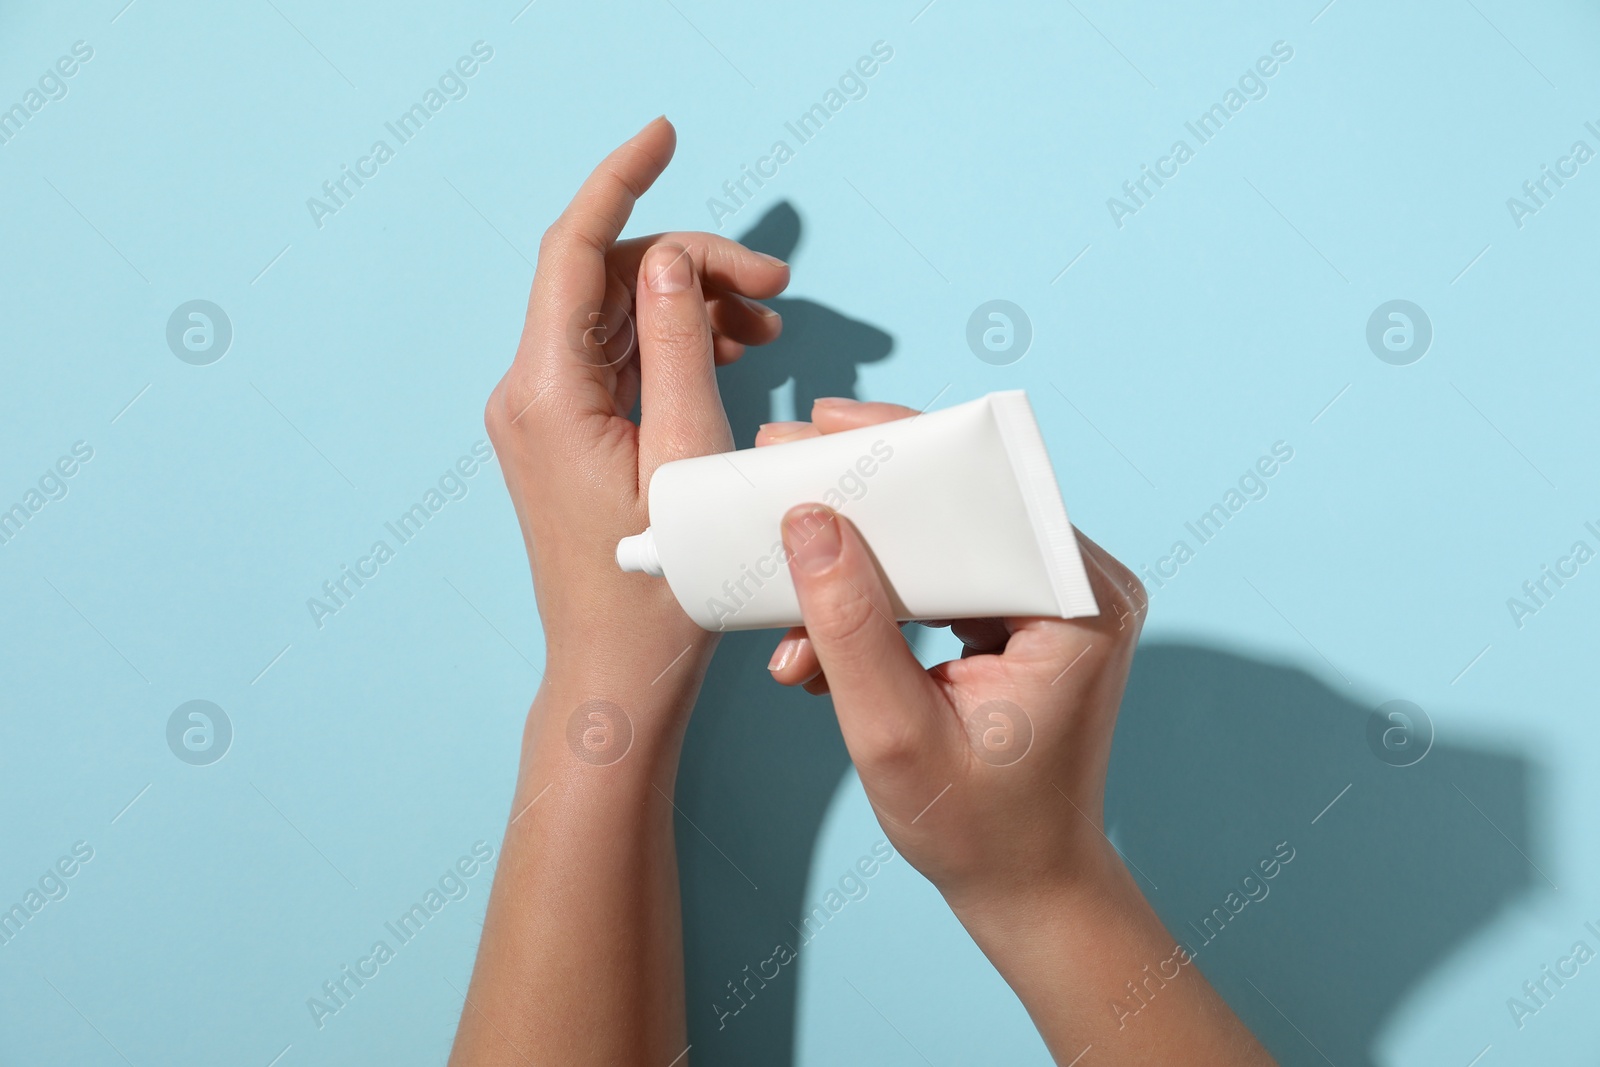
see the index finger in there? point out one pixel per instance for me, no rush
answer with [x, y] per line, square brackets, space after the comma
[572, 253]
[830, 414]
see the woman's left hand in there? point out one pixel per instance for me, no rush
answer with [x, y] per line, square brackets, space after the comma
[610, 323]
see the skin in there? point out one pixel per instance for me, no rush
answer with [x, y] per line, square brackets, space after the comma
[988, 774]
[581, 960]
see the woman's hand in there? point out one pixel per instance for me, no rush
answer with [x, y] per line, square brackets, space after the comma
[985, 771]
[581, 960]
[988, 774]
[609, 324]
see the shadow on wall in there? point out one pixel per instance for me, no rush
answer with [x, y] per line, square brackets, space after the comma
[819, 350]
[1217, 760]
[761, 763]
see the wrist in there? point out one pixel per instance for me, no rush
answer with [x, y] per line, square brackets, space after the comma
[587, 719]
[1086, 954]
[1090, 888]
[653, 666]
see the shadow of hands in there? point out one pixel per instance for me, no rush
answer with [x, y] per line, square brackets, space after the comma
[1219, 758]
[819, 350]
[761, 762]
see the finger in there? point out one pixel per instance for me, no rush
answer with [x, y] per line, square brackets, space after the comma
[627, 391]
[981, 635]
[680, 410]
[794, 661]
[724, 351]
[1130, 590]
[880, 692]
[606, 337]
[835, 413]
[570, 284]
[1055, 645]
[742, 319]
[577, 243]
[776, 433]
[723, 263]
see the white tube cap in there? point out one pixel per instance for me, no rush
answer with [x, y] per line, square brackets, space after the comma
[638, 553]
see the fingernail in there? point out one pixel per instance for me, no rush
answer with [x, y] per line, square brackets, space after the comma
[784, 654]
[781, 431]
[832, 401]
[811, 534]
[774, 260]
[762, 310]
[668, 269]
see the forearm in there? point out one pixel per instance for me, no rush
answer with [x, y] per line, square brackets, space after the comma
[1094, 965]
[581, 960]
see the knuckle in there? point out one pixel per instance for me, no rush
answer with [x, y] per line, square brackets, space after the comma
[1128, 598]
[846, 623]
[509, 405]
[491, 414]
[889, 748]
[679, 335]
[561, 242]
[1128, 614]
[628, 180]
[552, 241]
[678, 440]
[1135, 590]
[575, 229]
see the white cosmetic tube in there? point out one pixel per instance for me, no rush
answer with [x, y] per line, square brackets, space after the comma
[959, 507]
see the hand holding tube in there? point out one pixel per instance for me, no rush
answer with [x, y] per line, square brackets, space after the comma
[1022, 720]
[988, 773]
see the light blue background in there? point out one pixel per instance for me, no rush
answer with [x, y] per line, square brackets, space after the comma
[1226, 315]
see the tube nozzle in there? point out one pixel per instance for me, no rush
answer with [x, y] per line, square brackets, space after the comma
[638, 553]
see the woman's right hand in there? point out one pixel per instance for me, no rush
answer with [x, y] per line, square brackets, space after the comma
[986, 770]
[988, 774]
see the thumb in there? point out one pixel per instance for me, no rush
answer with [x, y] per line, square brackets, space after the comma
[885, 702]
